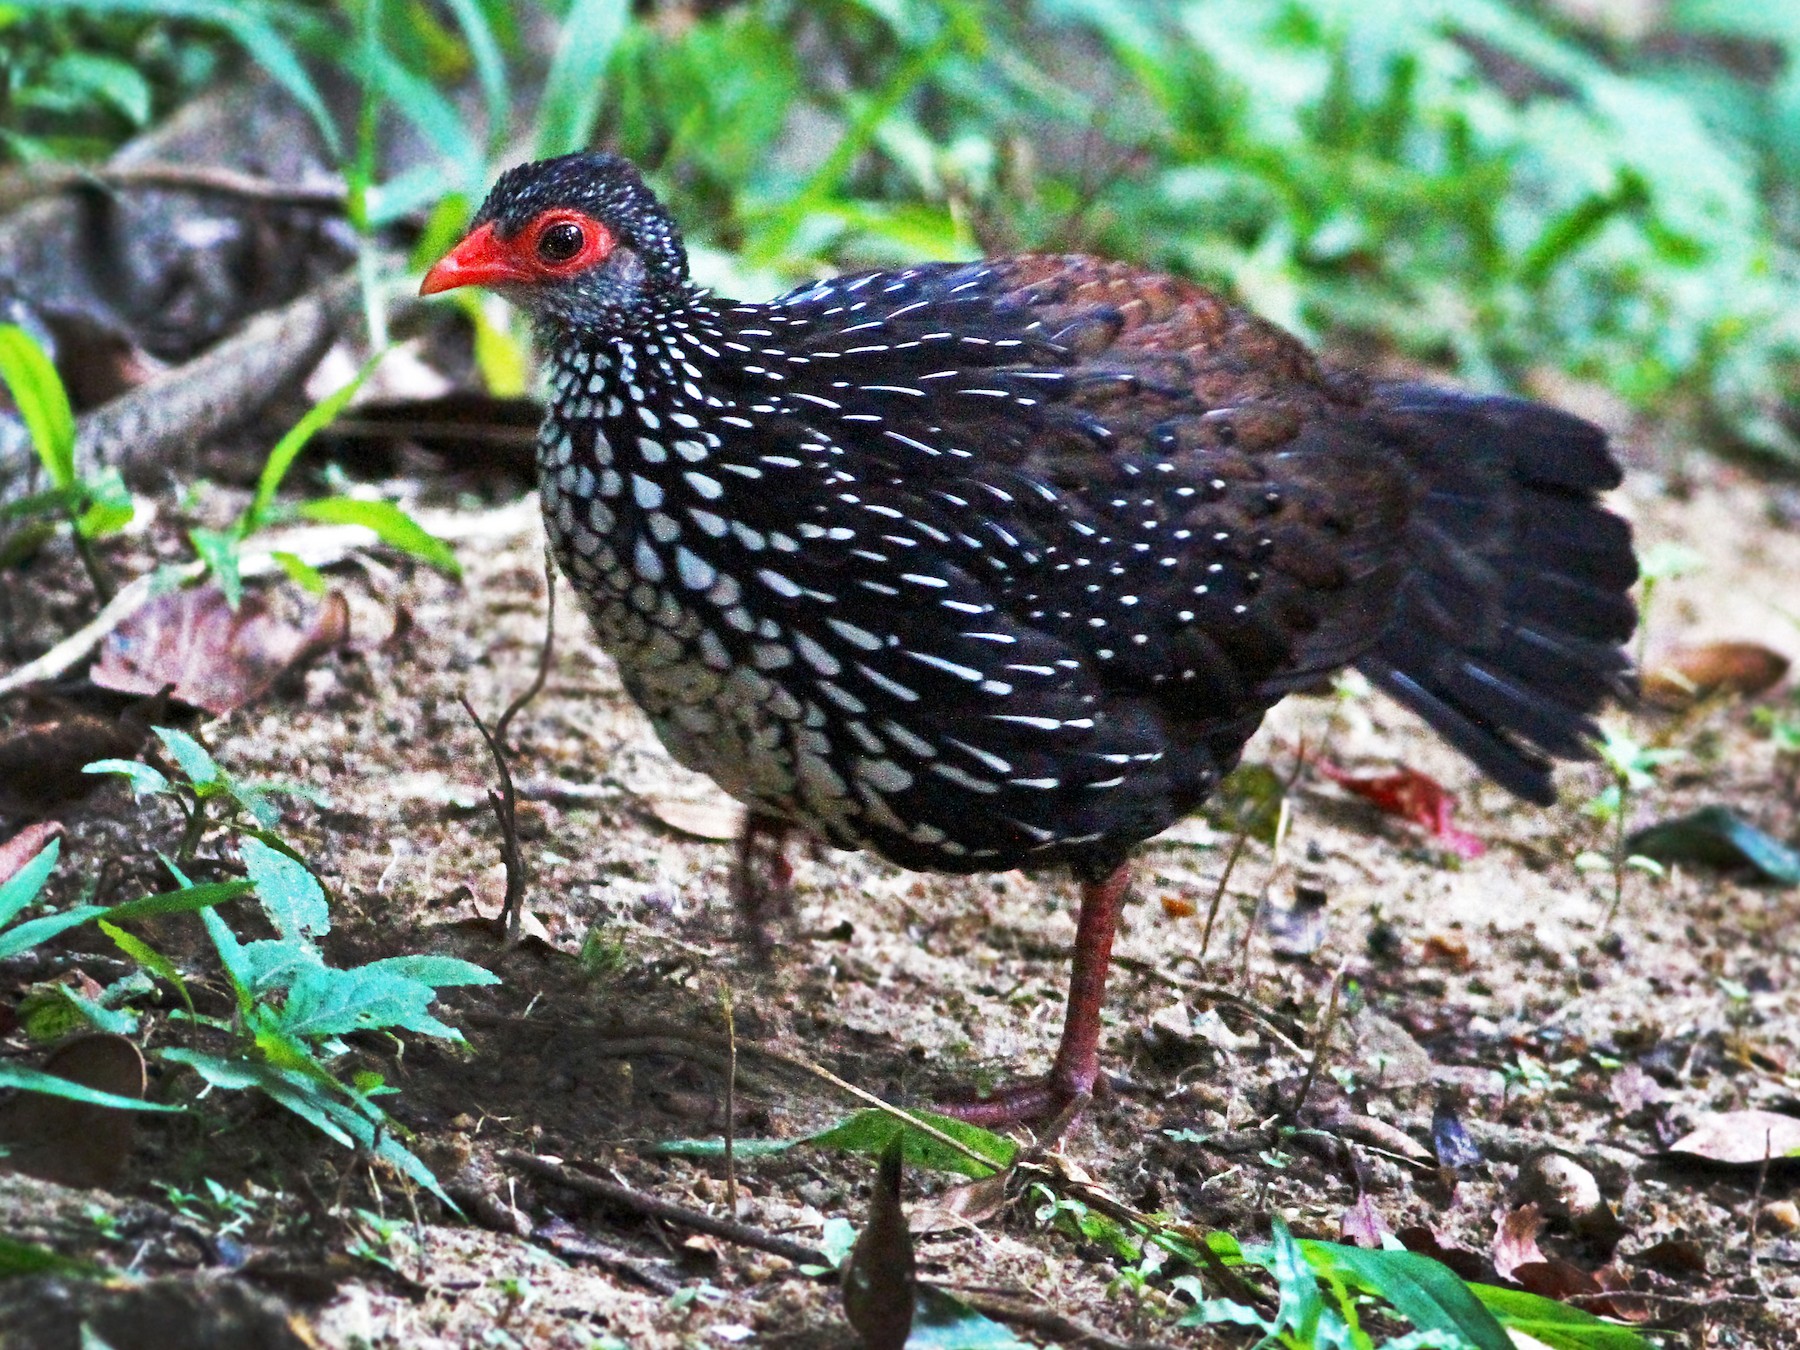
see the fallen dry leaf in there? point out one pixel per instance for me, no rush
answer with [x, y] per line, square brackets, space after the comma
[26, 845]
[961, 1207]
[215, 659]
[1742, 1138]
[1362, 1224]
[77, 1143]
[1515, 1239]
[716, 818]
[1412, 796]
[1686, 674]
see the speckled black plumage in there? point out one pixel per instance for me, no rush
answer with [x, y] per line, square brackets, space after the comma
[999, 564]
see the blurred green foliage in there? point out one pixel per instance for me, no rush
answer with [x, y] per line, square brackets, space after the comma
[1479, 184]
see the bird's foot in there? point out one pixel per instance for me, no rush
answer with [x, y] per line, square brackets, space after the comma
[1053, 1101]
[762, 881]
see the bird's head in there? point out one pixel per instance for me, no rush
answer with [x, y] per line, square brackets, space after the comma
[577, 241]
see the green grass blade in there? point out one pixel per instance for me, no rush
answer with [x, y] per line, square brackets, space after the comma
[390, 524]
[42, 402]
[36, 1080]
[576, 82]
[288, 448]
[24, 885]
[1427, 1293]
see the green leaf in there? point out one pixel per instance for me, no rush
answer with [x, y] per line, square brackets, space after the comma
[325, 1001]
[1425, 1292]
[218, 551]
[110, 506]
[27, 1258]
[190, 757]
[145, 780]
[943, 1322]
[1715, 836]
[107, 79]
[187, 900]
[361, 1125]
[43, 403]
[288, 448]
[24, 885]
[302, 573]
[36, 1080]
[390, 524]
[438, 972]
[1556, 1325]
[576, 81]
[147, 957]
[870, 1132]
[291, 895]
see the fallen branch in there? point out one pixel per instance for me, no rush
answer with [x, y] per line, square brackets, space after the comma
[1046, 1321]
[43, 180]
[655, 1207]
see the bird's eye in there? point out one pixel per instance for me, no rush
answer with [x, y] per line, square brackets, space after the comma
[560, 242]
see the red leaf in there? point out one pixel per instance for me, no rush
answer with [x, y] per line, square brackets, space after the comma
[1413, 796]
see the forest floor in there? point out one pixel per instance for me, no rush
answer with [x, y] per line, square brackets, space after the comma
[1493, 990]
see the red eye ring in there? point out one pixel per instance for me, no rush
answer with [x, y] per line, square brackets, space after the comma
[556, 229]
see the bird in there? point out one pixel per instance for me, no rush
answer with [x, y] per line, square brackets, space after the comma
[997, 565]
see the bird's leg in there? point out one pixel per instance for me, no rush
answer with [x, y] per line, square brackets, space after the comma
[1076, 1071]
[762, 879]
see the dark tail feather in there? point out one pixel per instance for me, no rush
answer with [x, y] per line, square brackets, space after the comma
[1510, 629]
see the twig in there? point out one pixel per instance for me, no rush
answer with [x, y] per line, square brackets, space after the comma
[315, 545]
[543, 671]
[655, 1207]
[1212, 993]
[1212, 910]
[505, 806]
[568, 1242]
[1762, 1175]
[731, 1190]
[1048, 1322]
[1321, 1040]
[42, 181]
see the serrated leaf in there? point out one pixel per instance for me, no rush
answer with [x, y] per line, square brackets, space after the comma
[389, 524]
[942, 1321]
[291, 895]
[145, 780]
[190, 757]
[870, 1132]
[436, 971]
[325, 1001]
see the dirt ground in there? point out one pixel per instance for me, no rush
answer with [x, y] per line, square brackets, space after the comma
[1484, 989]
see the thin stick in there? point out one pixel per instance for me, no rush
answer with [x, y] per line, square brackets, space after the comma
[505, 806]
[1762, 1175]
[731, 1190]
[655, 1207]
[536, 687]
[1322, 1041]
[1212, 910]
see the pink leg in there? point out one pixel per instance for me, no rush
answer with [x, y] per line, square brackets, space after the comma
[762, 879]
[1076, 1070]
